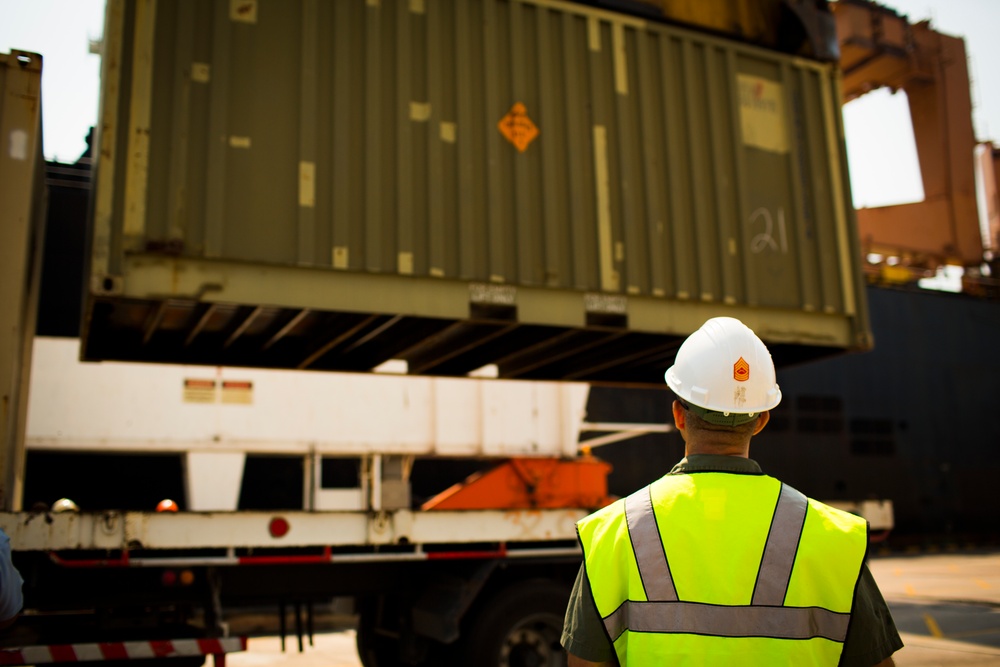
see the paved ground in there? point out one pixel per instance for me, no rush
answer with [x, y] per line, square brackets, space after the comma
[331, 649]
[946, 606]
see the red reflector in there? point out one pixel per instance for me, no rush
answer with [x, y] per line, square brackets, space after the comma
[169, 578]
[278, 527]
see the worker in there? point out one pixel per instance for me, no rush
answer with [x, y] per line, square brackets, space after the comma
[11, 598]
[716, 563]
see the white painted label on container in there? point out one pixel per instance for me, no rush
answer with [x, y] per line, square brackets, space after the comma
[420, 111]
[200, 72]
[593, 33]
[18, 145]
[614, 304]
[307, 184]
[621, 62]
[762, 113]
[497, 295]
[606, 250]
[239, 142]
[340, 257]
[449, 132]
[436, 272]
[418, 7]
[763, 223]
[404, 263]
[372, 3]
[244, 11]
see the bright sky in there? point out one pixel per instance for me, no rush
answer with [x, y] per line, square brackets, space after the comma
[883, 158]
[61, 31]
[880, 141]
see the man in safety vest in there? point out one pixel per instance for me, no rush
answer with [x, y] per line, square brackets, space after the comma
[716, 563]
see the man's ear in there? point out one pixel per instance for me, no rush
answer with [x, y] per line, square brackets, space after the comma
[680, 416]
[762, 422]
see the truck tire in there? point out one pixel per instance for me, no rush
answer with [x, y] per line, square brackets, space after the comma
[372, 651]
[520, 627]
[383, 640]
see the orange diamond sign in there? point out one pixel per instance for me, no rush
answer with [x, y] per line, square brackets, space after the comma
[517, 127]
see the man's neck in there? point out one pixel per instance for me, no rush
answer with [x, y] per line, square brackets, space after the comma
[718, 450]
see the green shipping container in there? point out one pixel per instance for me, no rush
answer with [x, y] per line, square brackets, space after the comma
[22, 223]
[536, 187]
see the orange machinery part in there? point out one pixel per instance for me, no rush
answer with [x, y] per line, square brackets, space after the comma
[879, 48]
[524, 483]
[989, 168]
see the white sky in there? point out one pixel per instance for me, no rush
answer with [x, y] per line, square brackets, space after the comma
[883, 158]
[61, 31]
[880, 141]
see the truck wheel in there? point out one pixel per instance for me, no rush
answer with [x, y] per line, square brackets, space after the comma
[383, 642]
[374, 651]
[520, 627]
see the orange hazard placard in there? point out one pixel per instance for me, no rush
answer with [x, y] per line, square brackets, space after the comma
[517, 127]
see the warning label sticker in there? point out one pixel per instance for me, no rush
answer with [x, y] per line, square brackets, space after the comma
[518, 128]
[762, 113]
[199, 391]
[237, 391]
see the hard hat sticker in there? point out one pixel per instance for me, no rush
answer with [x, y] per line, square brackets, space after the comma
[741, 370]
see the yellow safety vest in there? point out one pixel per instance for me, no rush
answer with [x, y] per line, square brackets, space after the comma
[713, 568]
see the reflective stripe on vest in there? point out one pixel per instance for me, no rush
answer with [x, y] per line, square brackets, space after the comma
[648, 547]
[722, 621]
[779, 551]
[764, 617]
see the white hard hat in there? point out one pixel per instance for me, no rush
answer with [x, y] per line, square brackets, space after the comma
[724, 369]
[64, 505]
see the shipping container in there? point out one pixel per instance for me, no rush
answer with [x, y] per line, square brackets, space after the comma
[527, 188]
[22, 222]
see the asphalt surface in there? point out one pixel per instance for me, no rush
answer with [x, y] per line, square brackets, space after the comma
[946, 607]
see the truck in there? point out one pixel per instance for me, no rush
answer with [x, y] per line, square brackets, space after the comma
[354, 274]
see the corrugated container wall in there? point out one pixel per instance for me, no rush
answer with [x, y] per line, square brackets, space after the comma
[22, 221]
[559, 191]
